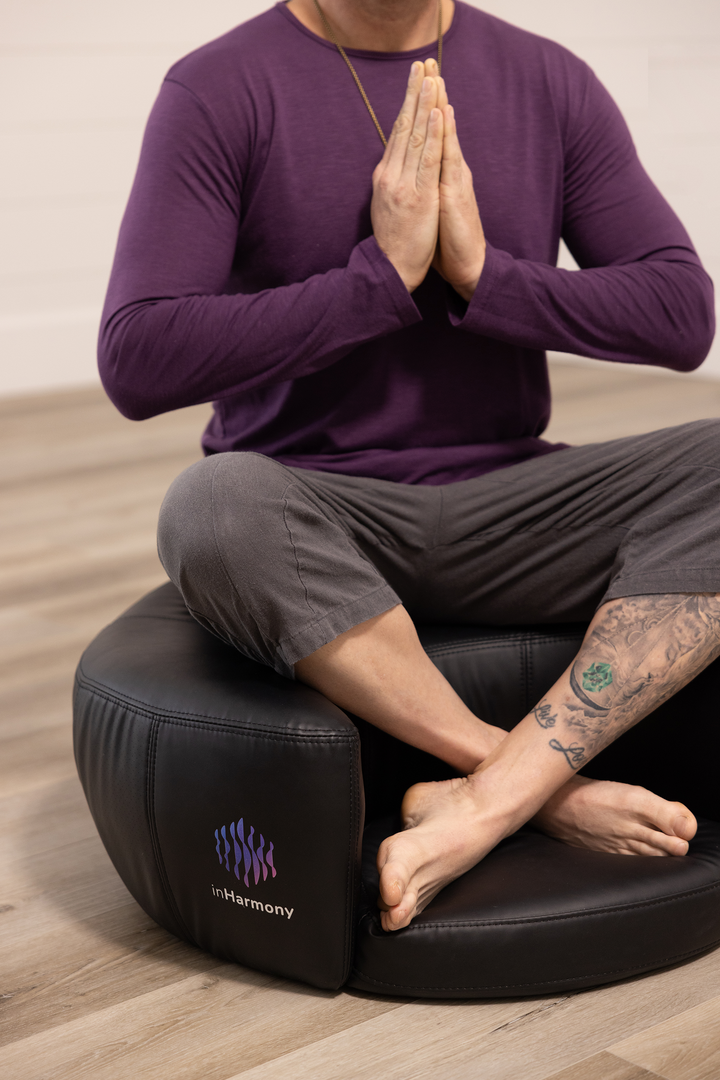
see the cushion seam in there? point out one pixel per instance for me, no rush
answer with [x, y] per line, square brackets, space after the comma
[548, 982]
[564, 917]
[216, 722]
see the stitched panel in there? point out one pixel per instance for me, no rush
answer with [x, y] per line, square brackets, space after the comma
[224, 800]
[537, 916]
[112, 749]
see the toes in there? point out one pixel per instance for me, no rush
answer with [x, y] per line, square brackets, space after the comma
[394, 877]
[654, 842]
[397, 917]
[685, 825]
[671, 818]
[671, 845]
[392, 887]
[677, 826]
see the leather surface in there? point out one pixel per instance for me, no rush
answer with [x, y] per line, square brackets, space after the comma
[178, 737]
[499, 674]
[537, 916]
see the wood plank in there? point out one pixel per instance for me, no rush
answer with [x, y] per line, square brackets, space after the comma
[77, 967]
[32, 762]
[72, 882]
[203, 1027]
[72, 940]
[603, 1066]
[89, 986]
[684, 1047]
[29, 832]
[454, 1039]
[606, 401]
[26, 709]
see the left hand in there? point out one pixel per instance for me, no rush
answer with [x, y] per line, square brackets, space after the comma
[460, 254]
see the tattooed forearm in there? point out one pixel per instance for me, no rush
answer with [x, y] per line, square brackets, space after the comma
[638, 652]
[574, 754]
[543, 715]
[596, 678]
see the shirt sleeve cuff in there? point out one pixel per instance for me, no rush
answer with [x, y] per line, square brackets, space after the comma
[469, 314]
[390, 285]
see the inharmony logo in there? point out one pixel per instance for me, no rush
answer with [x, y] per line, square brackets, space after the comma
[251, 857]
[256, 905]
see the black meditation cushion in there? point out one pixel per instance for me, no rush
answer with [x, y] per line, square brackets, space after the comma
[232, 802]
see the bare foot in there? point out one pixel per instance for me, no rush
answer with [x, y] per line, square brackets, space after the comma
[450, 826]
[447, 830]
[605, 816]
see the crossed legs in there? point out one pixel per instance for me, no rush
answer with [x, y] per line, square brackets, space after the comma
[305, 572]
[638, 652]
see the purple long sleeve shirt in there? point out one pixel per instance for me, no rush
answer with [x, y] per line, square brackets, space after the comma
[247, 273]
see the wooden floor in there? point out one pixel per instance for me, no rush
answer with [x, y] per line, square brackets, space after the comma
[89, 986]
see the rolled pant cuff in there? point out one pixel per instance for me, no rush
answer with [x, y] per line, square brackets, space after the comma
[659, 582]
[330, 626]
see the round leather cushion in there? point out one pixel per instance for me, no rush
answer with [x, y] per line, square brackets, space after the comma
[227, 796]
[181, 744]
[537, 917]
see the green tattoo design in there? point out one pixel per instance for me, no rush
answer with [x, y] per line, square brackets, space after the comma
[582, 696]
[597, 677]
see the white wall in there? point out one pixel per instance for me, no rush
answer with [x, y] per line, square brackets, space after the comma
[78, 77]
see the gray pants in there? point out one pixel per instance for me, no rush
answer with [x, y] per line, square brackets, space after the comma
[279, 561]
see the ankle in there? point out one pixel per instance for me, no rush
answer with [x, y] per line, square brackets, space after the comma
[489, 739]
[495, 787]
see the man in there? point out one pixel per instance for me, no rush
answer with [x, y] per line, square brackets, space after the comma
[372, 335]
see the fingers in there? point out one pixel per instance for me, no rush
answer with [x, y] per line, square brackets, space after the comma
[406, 183]
[396, 148]
[416, 151]
[423, 131]
[406, 144]
[432, 71]
[452, 160]
[430, 163]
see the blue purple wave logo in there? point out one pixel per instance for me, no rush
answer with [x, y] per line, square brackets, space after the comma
[247, 856]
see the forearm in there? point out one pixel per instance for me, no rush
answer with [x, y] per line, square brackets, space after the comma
[655, 311]
[637, 653]
[200, 307]
[157, 355]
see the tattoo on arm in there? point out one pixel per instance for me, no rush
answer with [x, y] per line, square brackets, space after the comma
[639, 650]
[543, 715]
[574, 754]
[590, 684]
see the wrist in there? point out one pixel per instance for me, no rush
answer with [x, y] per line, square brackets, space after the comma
[410, 278]
[467, 291]
[467, 286]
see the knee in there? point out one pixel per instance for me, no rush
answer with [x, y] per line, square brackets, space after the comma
[219, 500]
[700, 441]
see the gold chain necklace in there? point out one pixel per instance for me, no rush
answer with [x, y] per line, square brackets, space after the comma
[353, 72]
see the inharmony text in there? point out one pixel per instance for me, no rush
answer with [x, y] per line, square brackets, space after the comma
[245, 901]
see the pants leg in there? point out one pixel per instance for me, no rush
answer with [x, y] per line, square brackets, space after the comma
[263, 563]
[279, 561]
[549, 540]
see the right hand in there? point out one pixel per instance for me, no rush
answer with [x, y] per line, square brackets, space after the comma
[405, 205]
